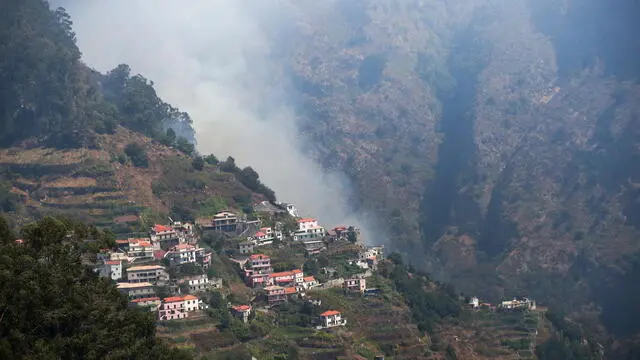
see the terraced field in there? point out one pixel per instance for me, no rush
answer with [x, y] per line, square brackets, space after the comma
[99, 185]
[496, 335]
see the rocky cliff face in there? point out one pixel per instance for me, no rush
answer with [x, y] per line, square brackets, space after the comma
[496, 139]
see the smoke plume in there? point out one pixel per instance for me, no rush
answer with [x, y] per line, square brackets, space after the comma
[213, 59]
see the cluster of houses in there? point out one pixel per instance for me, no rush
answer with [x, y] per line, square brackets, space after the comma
[506, 305]
[134, 265]
[141, 265]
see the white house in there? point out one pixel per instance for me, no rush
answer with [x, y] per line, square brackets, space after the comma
[331, 318]
[185, 253]
[111, 269]
[474, 302]
[308, 228]
[178, 307]
[309, 282]
[197, 283]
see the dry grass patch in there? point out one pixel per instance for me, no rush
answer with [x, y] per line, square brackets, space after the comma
[78, 182]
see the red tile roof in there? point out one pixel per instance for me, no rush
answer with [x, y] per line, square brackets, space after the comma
[144, 243]
[173, 299]
[122, 241]
[161, 228]
[112, 262]
[290, 290]
[19, 241]
[159, 254]
[190, 297]
[258, 256]
[145, 299]
[309, 279]
[260, 234]
[330, 313]
[306, 220]
[241, 307]
[285, 273]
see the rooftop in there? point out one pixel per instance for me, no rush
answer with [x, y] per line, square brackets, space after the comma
[145, 299]
[290, 290]
[145, 267]
[161, 228]
[285, 273]
[309, 279]
[260, 234]
[173, 299]
[113, 262]
[274, 287]
[306, 220]
[183, 247]
[258, 257]
[241, 307]
[330, 313]
[124, 285]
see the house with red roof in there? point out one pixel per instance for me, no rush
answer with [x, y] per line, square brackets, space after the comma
[153, 303]
[257, 270]
[308, 229]
[242, 312]
[278, 294]
[164, 236]
[309, 282]
[178, 307]
[286, 278]
[331, 318]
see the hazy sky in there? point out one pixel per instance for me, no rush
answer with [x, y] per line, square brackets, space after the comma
[211, 59]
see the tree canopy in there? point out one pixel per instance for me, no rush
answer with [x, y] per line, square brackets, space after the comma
[49, 97]
[54, 307]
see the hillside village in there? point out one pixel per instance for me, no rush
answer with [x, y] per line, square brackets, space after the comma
[278, 268]
[169, 271]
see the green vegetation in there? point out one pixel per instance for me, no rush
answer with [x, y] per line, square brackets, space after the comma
[52, 306]
[137, 154]
[248, 177]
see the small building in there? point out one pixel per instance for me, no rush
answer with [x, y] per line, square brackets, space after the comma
[275, 294]
[197, 283]
[257, 270]
[376, 251]
[474, 302]
[147, 273]
[185, 253]
[309, 282]
[140, 248]
[308, 229]
[166, 236]
[516, 304]
[225, 221]
[331, 318]
[153, 303]
[355, 285]
[286, 278]
[242, 312]
[178, 307]
[137, 290]
[260, 262]
[245, 247]
[111, 269]
[313, 246]
[203, 258]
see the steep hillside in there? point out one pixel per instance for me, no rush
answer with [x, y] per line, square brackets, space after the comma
[500, 157]
[104, 148]
[104, 187]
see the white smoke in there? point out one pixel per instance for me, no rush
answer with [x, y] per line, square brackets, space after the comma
[211, 58]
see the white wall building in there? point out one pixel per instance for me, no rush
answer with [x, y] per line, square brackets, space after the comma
[111, 269]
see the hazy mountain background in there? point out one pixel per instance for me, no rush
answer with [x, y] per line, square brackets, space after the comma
[494, 142]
